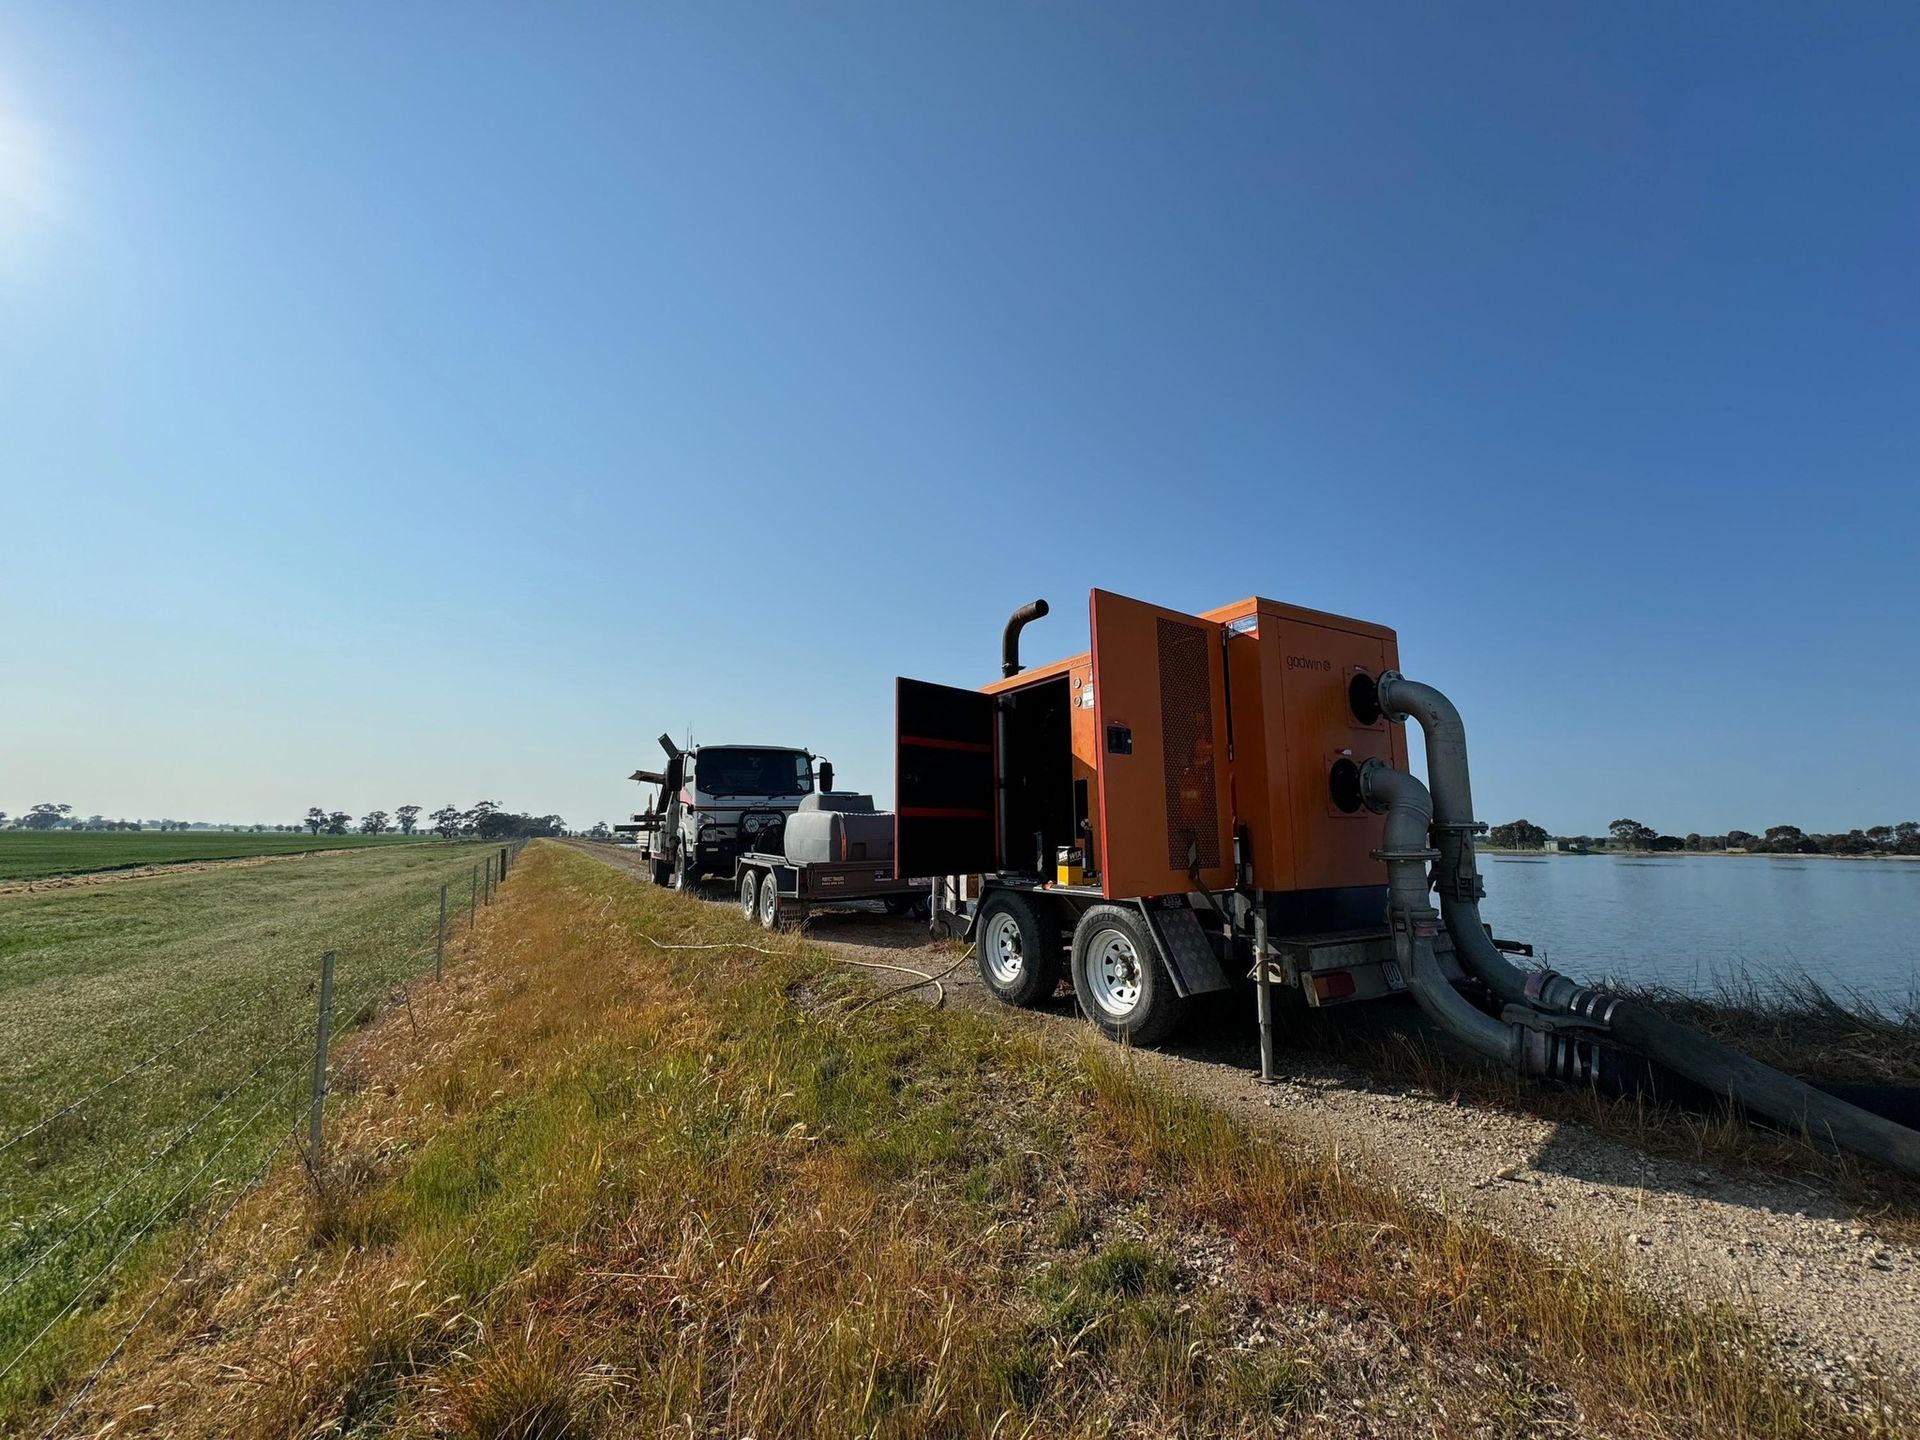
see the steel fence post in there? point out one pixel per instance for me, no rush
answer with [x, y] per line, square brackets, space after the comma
[323, 1030]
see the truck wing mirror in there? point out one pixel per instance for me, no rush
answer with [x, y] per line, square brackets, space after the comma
[826, 775]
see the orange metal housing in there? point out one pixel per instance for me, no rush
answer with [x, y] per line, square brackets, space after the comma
[1289, 669]
[1286, 673]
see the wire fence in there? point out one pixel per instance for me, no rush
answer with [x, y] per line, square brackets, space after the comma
[112, 1185]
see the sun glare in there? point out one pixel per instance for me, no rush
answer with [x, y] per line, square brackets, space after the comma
[30, 193]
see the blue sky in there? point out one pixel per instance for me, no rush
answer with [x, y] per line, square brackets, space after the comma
[413, 403]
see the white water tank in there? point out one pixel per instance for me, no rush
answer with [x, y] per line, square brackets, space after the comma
[836, 827]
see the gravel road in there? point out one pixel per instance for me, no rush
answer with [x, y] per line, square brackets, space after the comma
[1842, 1302]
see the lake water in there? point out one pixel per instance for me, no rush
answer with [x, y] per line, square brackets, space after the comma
[1691, 920]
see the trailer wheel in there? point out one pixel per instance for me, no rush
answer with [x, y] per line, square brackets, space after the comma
[1019, 947]
[1118, 978]
[750, 893]
[769, 901]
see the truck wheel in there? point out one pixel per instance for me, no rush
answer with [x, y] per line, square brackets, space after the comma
[769, 901]
[1118, 978]
[662, 873]
[684, 880]
[750, 893]
[1019, 947]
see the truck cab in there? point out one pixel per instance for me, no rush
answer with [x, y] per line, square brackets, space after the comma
[720, 801]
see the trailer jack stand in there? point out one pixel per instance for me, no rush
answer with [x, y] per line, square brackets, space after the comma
[1263, 984]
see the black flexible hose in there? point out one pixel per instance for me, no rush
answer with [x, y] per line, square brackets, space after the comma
[1762, 1089]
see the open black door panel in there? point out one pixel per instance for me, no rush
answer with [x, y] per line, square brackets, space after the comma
[943, 781]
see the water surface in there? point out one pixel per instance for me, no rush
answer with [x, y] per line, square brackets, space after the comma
[1692, 921]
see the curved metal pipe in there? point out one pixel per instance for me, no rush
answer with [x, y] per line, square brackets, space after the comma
[1456, 877]
[1010, 638]
[1409, 812]
[1636, 1027]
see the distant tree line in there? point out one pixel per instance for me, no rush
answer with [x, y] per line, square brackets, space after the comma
[1900, 839]
[484, 821]
[487, 821]
[49, 816]
[405, 820]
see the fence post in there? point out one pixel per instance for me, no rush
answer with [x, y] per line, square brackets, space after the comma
[322, 1031]
[473, 895]
[440, 938]
[503, 862]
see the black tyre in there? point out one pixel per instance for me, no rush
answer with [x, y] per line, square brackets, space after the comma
[662, 873]
[770, 915]
[750, 893]
[1118, 979]
[685, 880]
[1018, 943]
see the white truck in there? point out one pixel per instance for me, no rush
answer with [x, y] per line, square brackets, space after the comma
[766, 820]
[718, 801]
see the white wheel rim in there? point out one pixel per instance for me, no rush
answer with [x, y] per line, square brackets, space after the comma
[1001, 948]
[748, 895]
[768, 900]
[1113, 973]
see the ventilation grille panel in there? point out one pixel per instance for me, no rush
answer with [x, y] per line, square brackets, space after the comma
[1186, 727]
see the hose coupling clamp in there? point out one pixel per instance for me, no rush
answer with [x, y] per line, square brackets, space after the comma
[1461, 889]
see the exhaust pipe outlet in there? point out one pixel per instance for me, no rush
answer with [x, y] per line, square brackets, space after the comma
[1010, 640]
[1632, 1025]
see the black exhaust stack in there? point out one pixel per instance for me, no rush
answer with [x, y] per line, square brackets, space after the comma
[1010, 641]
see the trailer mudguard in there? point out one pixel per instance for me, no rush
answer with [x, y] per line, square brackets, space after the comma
[1190, 960]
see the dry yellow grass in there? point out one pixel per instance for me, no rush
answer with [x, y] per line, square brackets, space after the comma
[590, 1187]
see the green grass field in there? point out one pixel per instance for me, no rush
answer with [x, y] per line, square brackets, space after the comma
[32, 854]
[209, 978]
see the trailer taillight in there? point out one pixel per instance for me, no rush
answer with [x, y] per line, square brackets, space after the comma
[1333, 985]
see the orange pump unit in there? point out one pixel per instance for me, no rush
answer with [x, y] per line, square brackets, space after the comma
[1176, 742]
[1236, 786]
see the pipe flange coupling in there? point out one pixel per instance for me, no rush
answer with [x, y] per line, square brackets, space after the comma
[1461, 827]
[1384, 686]
[1389, 856]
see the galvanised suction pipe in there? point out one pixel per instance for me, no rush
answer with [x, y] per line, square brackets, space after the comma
[1409, 812]
[1457, 878]
[1632, 1025]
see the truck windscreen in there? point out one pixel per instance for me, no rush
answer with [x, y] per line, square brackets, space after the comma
[739, 771]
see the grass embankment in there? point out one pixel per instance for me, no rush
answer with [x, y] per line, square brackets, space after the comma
[39, 854]
[592, 1187]
[214, 973]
